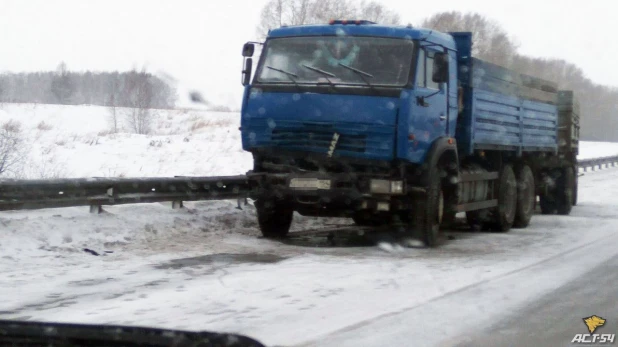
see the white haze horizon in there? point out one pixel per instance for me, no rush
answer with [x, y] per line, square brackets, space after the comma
[199, 42]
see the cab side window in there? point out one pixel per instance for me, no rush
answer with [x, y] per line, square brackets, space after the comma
[420, 70]
[425, 70]
[429, 71]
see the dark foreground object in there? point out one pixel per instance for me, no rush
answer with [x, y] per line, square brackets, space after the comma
[19, 333]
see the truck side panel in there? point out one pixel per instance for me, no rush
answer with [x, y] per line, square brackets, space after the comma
[510, 123]
[503, 109]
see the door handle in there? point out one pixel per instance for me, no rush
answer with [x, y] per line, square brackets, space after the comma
[442, 117]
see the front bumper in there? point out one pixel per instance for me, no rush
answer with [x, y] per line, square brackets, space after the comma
[350, 192]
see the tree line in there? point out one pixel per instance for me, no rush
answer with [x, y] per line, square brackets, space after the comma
[490, 42]
[118, 89]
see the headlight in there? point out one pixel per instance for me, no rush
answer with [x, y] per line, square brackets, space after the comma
[380, 186]
[397, 187]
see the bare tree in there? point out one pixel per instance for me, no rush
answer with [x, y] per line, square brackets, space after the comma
[10, 147]
[324, 10]
[138, 88]
[490, 41]
[112, 103]
[62, 85]
[376, 12]
[298, 12]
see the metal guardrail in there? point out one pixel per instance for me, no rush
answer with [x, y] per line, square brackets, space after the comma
[96, 192]
[597, 162]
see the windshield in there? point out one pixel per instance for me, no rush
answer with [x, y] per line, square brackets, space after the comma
[340, 60]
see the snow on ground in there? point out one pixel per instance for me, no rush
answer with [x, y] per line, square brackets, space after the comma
[204, 267]
[185, 269]
[75, 141]
[590, 149]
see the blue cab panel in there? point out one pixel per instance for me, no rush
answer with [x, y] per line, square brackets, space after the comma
[308, 121]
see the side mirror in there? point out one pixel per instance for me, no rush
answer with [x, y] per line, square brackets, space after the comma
[248, 49]
[246, 72]
[440, 68]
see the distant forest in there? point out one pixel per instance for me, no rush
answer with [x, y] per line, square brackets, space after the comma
[599, 103]
[122, 89]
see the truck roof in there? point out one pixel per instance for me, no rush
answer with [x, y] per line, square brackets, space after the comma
[395, 31]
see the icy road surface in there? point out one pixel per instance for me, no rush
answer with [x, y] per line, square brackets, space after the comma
[204, 268]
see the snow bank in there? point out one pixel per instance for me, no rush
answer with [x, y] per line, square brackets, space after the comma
[590, 149]
[75, 141]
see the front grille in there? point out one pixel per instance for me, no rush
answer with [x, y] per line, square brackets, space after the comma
[367, 141]
[317, 139]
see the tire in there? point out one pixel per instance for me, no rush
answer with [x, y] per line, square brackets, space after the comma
[526, 197]
[451, 199]
[427, 212]
[503, 215]
[548, 206]
[274, 218]
[564, 195]
[576, 171]
[477, 219]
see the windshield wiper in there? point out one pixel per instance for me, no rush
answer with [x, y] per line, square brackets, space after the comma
[325, 73]
[360, 73]
[290, 75]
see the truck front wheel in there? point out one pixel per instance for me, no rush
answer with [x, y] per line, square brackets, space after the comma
[274, 217]
[428, 211]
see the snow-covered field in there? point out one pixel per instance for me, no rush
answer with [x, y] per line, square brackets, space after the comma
[75, 141]
[205, 268]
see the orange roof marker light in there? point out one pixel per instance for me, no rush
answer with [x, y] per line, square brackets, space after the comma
[347, 21]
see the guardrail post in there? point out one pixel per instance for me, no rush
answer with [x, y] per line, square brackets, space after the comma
[177, 205]
[98, 209]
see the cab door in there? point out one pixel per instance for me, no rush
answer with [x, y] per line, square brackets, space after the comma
[429, 111]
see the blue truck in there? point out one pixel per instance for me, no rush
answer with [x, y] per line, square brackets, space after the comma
[401, 125]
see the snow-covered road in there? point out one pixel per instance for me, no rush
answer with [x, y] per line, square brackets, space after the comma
[204, 268]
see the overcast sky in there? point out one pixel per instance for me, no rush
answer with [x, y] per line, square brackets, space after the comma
[199, 41]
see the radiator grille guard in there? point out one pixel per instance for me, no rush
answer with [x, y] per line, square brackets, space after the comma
[333, 139]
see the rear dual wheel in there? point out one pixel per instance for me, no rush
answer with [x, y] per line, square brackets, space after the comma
[562, 199]
[566, 191]
[525, 197]
[501, 217]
